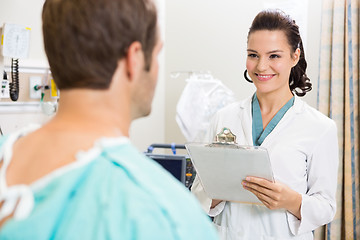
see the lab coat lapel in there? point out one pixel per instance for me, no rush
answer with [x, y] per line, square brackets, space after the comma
[297, 108]
[246, 120]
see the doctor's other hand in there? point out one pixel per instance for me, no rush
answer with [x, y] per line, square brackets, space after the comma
[215, 202]
[274, 195]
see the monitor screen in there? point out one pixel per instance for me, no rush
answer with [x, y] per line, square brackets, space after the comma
[172, 166]
[179, 166]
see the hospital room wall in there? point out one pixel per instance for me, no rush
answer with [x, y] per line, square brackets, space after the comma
[210, 35]
[14, 116]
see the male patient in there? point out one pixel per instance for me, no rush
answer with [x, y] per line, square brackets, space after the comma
[78, 176]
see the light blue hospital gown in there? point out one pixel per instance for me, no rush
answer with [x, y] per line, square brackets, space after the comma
[111, 192]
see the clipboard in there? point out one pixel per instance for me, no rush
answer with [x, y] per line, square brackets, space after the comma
[223, 165]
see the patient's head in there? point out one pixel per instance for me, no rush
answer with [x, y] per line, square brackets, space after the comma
[84, 39]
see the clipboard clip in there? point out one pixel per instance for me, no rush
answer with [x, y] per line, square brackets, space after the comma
[225, 136]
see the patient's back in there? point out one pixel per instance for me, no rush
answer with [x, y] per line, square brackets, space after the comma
[110, 191]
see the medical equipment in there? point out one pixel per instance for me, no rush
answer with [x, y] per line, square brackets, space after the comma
[15, 41]
[180, 166]
[49, 107]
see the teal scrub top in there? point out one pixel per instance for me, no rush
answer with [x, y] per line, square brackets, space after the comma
[259, 134]
[120, 194]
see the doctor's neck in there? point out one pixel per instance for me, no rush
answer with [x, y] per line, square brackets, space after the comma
[270, 102]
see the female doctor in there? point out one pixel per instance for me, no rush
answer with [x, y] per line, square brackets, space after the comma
[301, 142]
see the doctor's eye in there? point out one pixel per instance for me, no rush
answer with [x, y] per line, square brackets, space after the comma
[252, 55]
[275, 56]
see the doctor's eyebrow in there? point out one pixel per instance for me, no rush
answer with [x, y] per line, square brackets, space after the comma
[273, 51]
[250, 50]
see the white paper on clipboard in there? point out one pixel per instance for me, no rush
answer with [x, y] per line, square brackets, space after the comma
[222, 168]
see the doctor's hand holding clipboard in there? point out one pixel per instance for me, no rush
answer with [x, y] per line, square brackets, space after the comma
[274, 195]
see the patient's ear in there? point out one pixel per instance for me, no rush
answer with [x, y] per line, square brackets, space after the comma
[134, 60]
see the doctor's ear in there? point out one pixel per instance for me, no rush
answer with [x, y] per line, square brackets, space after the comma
[296, 56]
[134, 59]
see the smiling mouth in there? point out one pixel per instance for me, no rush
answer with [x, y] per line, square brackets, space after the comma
[264, 77]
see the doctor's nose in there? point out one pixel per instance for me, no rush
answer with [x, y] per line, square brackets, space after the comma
[262, 64]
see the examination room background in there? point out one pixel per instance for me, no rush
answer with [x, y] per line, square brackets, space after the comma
[200, 35]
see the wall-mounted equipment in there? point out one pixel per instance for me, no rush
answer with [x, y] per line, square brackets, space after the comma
[15, 42]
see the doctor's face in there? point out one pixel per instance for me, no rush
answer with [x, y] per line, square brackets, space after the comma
[269, 61]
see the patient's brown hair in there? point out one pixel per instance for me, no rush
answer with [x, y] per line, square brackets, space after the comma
[84, 39]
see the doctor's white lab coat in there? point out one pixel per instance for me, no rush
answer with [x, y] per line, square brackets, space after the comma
[303, 150]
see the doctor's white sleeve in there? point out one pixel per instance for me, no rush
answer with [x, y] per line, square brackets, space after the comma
[318, 205]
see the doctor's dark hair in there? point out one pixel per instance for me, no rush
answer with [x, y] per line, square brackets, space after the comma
[276, 20]
[85, 39]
